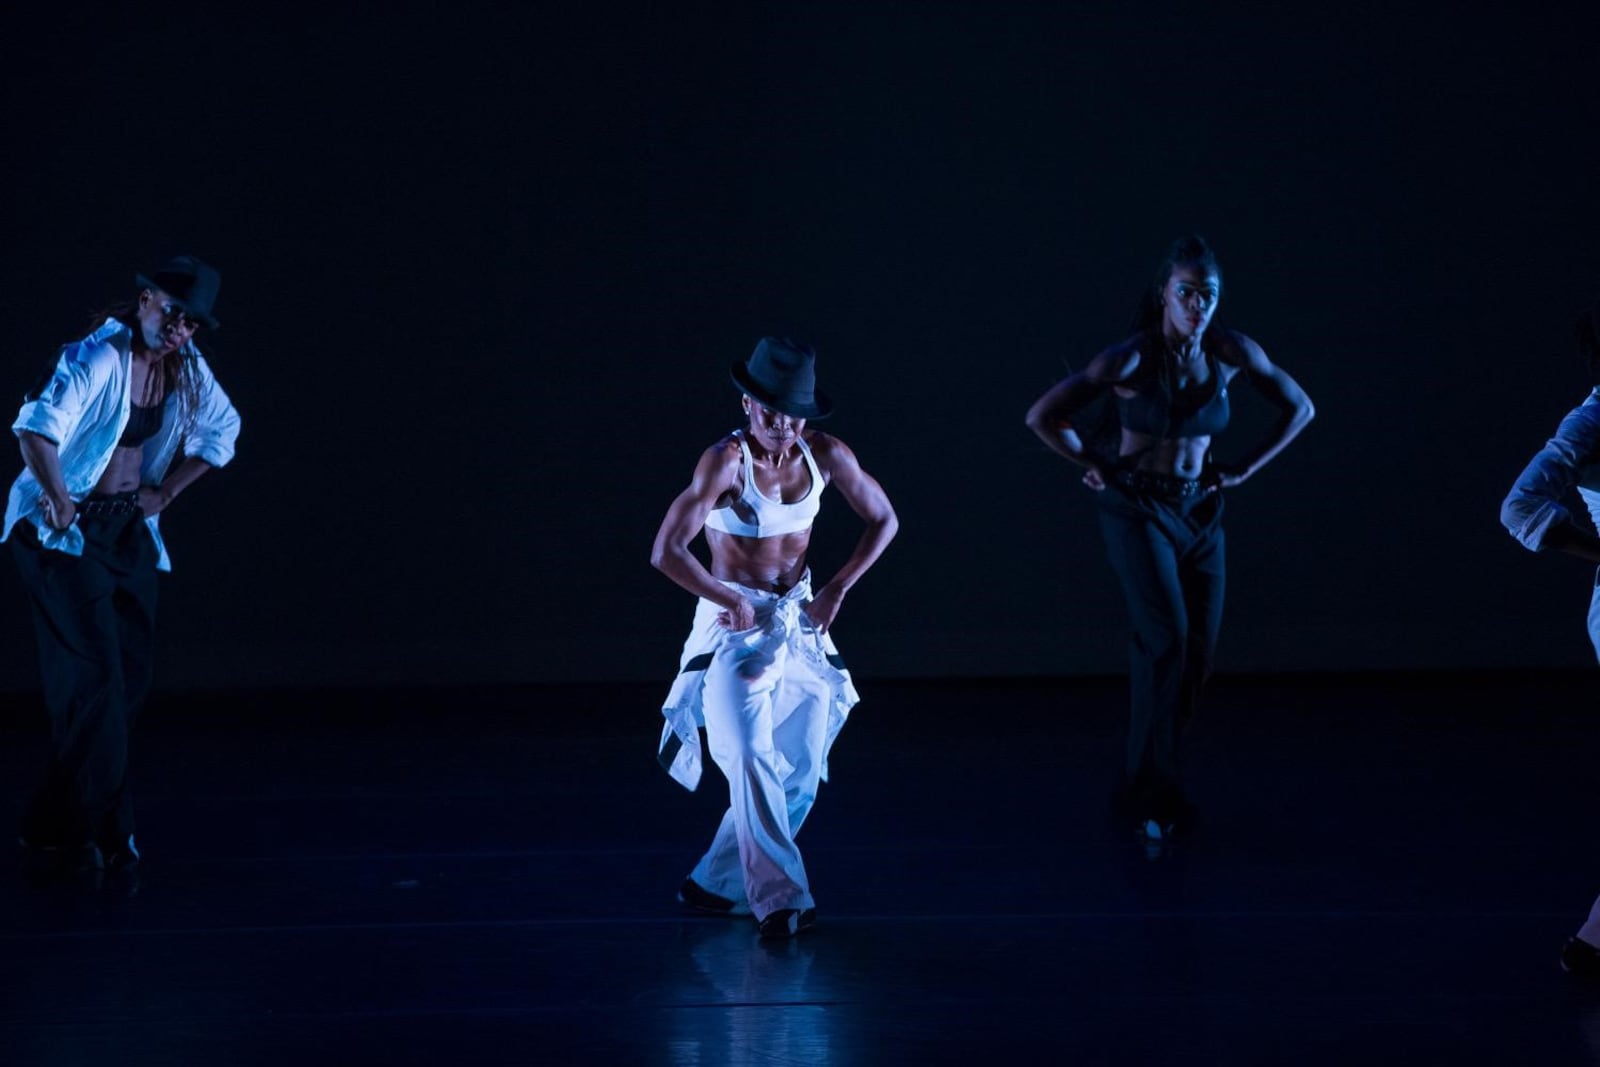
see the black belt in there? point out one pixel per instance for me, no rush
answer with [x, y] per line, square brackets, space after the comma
[1153, 483]
[110, 505]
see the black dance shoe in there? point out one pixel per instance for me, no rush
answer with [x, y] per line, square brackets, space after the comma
[54, 867]
[691, 894]
[787, 922]
[1581, 959]
[121, 857]
[1170, 821]
[53, 860]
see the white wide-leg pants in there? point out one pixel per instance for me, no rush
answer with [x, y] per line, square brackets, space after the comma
[766, 717]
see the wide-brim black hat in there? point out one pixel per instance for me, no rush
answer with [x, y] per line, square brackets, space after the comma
[192, 284]
[782, 374]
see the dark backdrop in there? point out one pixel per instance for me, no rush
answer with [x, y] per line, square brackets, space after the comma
[485, 269]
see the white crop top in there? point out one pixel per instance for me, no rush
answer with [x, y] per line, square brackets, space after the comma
[753, 515]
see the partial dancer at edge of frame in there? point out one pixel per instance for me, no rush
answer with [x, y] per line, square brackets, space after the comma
[1536, 512]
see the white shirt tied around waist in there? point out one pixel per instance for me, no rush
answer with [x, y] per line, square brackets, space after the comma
[83, 408]
[780, 619]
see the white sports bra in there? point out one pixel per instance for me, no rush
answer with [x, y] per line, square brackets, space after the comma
[753, 515]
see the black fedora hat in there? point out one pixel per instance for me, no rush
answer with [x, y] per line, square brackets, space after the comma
[782, 374]
[192, 284]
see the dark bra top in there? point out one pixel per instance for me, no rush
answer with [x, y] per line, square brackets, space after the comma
[1156, 410]
[142, 425]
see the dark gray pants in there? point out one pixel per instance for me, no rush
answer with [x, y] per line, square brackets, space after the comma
[94, 616]
[1168, 553]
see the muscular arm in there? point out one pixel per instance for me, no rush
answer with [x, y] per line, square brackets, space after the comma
[1280, 390]
[43, 458]
[868, 500]
[713, 476]
[154, 499]
[1050, 417]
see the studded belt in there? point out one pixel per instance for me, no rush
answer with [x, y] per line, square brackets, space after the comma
[1153, 483]
[110, 505]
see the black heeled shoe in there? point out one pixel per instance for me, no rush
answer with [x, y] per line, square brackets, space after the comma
[787, 922]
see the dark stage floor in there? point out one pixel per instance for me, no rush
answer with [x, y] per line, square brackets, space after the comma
[1385, 870]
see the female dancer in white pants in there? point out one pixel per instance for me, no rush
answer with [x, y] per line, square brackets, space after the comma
[760, 671]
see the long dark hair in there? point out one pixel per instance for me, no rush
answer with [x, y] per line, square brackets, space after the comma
[1190, 250]
[1102, 429]
[1104, 438]
[180, 370]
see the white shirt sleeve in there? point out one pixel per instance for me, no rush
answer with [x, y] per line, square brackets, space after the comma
[1537, 501]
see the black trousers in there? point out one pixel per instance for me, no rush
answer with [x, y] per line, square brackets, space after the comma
[1169, 555]
[94, 616]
